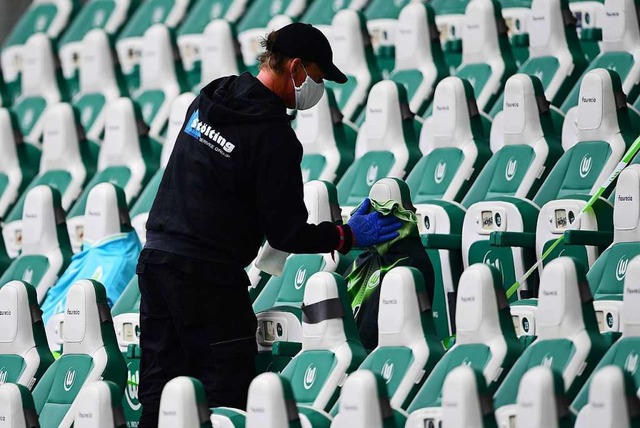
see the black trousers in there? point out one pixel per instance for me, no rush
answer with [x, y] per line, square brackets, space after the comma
[191, 325]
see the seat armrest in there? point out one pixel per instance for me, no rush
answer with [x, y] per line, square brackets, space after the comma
[513, 239]
[286, 349]
[438, 241]
[588, 237]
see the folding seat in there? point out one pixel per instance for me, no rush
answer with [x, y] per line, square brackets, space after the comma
[253, 25]
[364, 403]
[18, 164]
[67, 163]
[140, 210]
[106, 15]
[195, 32]
[100, 82]
[16, 406]
[98, 406]
[624, 352]
[39, 86]
[487, 60]
[353, 54]
[382, 22]
[450, 21]
[590, 16]
[466, 402]
[327, 141]
[46, 251]
[183, 404]
[161, 78]
[219, 55]
[130, 42]
[568, 338]
[620, 47]
[386, 145]
[486, 341]
[330, 350]
[278, 306]
[90, 352]
[556, 57]
[612, 401]
[50, 17]
[408, 347]
[320, 15]
[109, 254]
[541, 400]
[128, 158]
[419, 62]
[24, 354]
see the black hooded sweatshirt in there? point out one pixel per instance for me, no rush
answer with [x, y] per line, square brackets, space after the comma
[233, 178]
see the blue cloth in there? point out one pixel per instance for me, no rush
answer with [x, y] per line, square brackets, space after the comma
[112, 262]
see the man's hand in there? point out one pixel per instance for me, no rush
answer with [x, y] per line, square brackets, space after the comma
[374, 228]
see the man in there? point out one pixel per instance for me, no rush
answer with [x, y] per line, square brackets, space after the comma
[233, 178]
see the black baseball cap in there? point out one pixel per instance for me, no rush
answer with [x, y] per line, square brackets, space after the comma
[306, 42]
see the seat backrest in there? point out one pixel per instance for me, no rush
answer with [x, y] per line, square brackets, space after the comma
[270, 403]
[183, 404]
[382, 23]
[16, 406]
[327, 142]
[10, 172]
[518, 168]
[106, 214]
[331, 347]
[364, 402]
[418, 65]
[353, 54]
[386, 145]
[220, 53]
[487, 60]
[39, 70]
[609, 404]
[99, 406]
[24, 353]
[453, 145]
[631, 301]
[465, 400]
[603, 123]
[541, 401]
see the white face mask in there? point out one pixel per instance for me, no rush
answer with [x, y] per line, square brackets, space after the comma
[309, 93]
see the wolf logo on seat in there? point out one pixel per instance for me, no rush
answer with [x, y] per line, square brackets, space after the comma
[131, 393]
[372, 174]
[387, 371]
[301, 275]
[69, 379]
[309, 377]
[510, 170]
[631, 363]
[440, 171]
[3, 376]
[585, 165]
[621, 268]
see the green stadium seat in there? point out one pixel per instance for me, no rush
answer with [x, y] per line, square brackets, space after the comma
[18, 164]
[183, 404]
[408, 347]
[328, 142]
[127, 158]
[353, 54]
[67, 164]
[50, 17]
[541, 400]
[140, 210]
[590, 15]
[517, 15]
[130, 42]
[90, 353]
[46, 251]
[364, 403]
[568, 340]
[556, 57]
[254, 25]
[612, 401]
[382, 22]
[39, 87]
[106, 15]
[386, 145]
[98, 406]
[450, 21]
[100, 82]
[320, 15]
[485, 341]
[466, 402]
[620, 47]
[220, 54]
[194, 40]
[24, 352]
[419, 65]
[487, 60]
[16, 406]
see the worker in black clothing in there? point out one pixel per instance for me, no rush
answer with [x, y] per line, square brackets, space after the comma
[233, 178]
